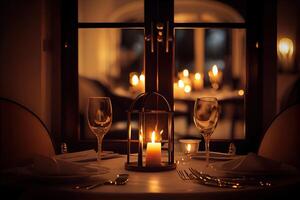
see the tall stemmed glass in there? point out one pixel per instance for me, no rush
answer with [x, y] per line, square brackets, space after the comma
[99, 118]
[206, 115]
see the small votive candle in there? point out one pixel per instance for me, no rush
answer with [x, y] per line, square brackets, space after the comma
[198, 81]
[215, 77]
[190, 145]
[187, 89]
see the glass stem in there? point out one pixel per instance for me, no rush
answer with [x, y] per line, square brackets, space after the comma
[99, 140]
[207, 138]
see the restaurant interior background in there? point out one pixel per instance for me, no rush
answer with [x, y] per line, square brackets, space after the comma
[208, 61]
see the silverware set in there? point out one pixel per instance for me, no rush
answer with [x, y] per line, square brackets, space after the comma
[222, 182]
[121, 179]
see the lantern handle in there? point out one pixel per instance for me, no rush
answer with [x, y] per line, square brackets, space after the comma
[146, 96]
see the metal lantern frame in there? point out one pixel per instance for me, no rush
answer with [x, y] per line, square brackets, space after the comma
[139, 107]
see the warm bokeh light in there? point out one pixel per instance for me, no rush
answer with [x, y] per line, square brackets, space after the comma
[186, 73]
[241, 92]
[215, 70]
[142, 77]
[180, 84]
[215, 77]
[188, 148]
[197, 76]
[141, 137]
[285, 46]
[187, 89]
[285, 52]
[134, 80]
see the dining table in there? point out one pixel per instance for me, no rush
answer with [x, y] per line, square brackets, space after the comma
[147, 185]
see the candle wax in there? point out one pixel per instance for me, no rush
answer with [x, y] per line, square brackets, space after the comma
[153, 154]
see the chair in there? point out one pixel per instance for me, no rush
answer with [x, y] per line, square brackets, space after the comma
[281, 141]
[22, 135]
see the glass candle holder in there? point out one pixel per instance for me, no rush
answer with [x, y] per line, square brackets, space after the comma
[189, 146]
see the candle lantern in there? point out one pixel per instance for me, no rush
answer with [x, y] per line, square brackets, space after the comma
[151, 132]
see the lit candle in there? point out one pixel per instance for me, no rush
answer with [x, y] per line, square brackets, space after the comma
[175, 89]
[179, 88]
[180, 84]
[198, 81]
[187, 89]
[142, 78]
[188, 148]
[153, 152]
[134, 79]
[190, 145]
[186, 73]
[142, 82]
[215, 77]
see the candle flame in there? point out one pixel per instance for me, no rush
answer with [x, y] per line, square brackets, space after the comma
[186, 73]
[153, 137]
[180, 84]
[161, 132]
[197, 76]
[142, 77]
[215, 70]
[135, 80]
[188, 147]
[187, 89]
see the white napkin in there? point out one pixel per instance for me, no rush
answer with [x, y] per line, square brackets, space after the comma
[87, 155]
[251, 164]
[80, 156]
[54, 166]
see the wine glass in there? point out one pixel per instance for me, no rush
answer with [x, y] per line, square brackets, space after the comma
[99, 118]
[206, 114]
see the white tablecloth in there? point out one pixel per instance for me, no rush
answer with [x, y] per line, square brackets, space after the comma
[158, 185]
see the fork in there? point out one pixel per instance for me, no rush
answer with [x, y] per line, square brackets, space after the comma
[220, 182]
[242, 180]
[184, 175]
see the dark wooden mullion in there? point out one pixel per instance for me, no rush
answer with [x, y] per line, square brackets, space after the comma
[210, 25]
[261, 70]
[69, 74]
[166, 59]
[151, 84]
[111, 25]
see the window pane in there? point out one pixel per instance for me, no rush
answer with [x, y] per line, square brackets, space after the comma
[208, 11]
[110, 10]
[211, 62]
[107, 59]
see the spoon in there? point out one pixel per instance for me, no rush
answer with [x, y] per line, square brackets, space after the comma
[120, 180]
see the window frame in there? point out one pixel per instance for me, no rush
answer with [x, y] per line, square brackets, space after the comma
[260, 92]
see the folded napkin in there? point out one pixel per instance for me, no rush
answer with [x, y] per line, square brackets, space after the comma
[252, 164]
[54, 166]
[87, 155]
